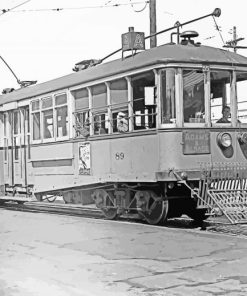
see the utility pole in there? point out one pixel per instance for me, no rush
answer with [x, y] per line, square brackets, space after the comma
[152, 17]
[234, 34]
[234, 42]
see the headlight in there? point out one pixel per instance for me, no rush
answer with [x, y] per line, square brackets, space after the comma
[224, 140]
[184, 175]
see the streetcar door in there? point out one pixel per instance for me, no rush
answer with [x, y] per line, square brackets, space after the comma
[17, 176]
[17, 149]
[7, 138]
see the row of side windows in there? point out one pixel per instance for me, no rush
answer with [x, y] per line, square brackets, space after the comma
[129, 104]
[107, 108]
[50, 117]
[100, 109]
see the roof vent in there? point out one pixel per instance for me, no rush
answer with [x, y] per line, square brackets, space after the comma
[187, 37]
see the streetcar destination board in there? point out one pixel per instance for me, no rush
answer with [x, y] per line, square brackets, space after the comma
[196, 142]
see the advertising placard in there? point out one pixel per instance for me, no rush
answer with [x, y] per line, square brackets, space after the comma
[84, 159]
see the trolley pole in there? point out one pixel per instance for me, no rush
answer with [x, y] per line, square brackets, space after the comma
[152, 17]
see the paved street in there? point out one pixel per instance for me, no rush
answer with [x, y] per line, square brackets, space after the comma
[44, 254]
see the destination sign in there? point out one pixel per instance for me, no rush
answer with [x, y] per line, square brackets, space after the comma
[196, 142]
[133, 41]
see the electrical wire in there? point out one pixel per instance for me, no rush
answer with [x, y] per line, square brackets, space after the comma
[108, 2]
[218, 29]
[74, 8]
[132, 5]
[10, 9]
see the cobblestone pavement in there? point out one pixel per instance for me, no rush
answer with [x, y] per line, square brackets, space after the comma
[43, 254]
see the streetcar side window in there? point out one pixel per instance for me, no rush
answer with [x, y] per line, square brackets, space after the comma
[5, 135]
[241, 97]
[35, 108]
[48, 120]
[167, 95]
[144, 108]
[119, 105]
[220, 96]
[82, 121]
[99, 109]
[193, 96]
[16, 131]
[61, 115]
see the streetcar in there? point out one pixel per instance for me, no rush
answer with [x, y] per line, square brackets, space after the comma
[142, 134]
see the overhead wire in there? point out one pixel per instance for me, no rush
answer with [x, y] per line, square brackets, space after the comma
[108, 2]
[135, 10]
[58, 9]
[10, 9]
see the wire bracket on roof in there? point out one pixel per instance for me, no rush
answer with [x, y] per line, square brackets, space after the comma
[26, 83]
[86, 64]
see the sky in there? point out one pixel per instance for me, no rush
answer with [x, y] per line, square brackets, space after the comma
[40, 43]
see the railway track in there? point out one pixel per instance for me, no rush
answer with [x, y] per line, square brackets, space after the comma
[216, 224]
[58, 208]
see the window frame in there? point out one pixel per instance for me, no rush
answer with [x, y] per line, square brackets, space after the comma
[84, 111]
[35, 141]
[116, 108]
[177, 91]
[205, 92]
[242, 124]
[127, 76]
[41, 111]
[98, 110]
[6, 136]
[56, 107]
[231, 98]
[179, 95]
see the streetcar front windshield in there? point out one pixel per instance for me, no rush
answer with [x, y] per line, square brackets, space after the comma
[193, 96]
[167, 94]
[220, 96]
[241, 90]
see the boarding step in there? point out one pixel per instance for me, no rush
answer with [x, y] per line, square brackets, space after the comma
[16, 198]
[18, 189]
[232, 202]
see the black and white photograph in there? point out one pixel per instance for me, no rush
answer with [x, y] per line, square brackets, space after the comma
[123, 148]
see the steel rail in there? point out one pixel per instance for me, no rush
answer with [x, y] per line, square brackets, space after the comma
[216, 225]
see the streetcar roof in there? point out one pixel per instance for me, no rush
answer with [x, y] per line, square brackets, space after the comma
[168, 53]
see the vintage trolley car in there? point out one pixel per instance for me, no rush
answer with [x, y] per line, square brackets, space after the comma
[138, 134]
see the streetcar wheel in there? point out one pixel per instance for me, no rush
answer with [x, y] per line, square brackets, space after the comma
[110, 214]
[104, 200]
[52, 198]
[151, 207]
[165, 213]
